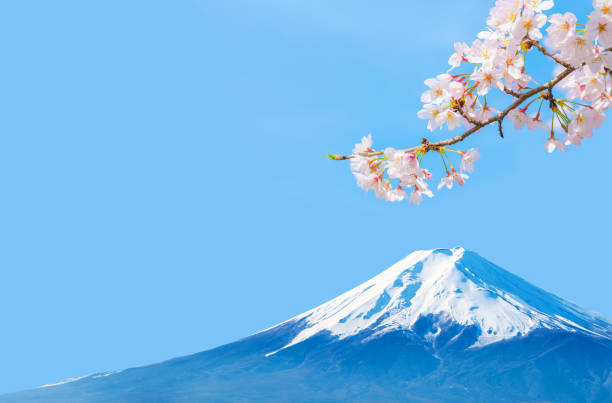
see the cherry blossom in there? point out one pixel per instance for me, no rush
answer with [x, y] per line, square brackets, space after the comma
[432, 113]
[451, 178]
[461, 50]
[488, 77]
[446, 181]
[603, 101]
[417, 194]
[482, 52]
[364, 146]
[539, 5]
[460, 178]
[553, 143]
[587, 119]
[603, 6]
[529, 24]
[573, 84]
[519, 118]
[562, 27]
[599, 28]
[468, 159]
[573, 102]
[577, 49]
[367, 181]
[451, 118]
[575, 136]
[512, 63]
[602, 59]
[482, 114]
[439, 91]
[395, 194]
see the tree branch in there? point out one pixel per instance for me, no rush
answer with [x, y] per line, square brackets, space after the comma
[510, 92]
[427, 146]
[467, 117]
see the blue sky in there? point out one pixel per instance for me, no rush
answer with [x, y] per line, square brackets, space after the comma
[165, 188]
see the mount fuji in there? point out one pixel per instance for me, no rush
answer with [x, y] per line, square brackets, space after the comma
[441, 325]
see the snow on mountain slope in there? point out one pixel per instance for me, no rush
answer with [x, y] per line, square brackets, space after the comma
[408, 334]
[453, 286]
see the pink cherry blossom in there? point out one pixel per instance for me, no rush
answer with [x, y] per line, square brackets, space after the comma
[603, 6]
[468, 159]
[431, 112]
[364, 146]
[461, 50]
[562, 27]
[599, 28]
[488, 77]
[577, 49]
[500, 59]
[460, 178]
[553, 143]
[529, 24]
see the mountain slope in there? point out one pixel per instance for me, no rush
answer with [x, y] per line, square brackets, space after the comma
[443, 325]
[456, 286]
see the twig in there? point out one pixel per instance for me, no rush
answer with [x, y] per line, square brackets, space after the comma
[467, 117]
[510, 92]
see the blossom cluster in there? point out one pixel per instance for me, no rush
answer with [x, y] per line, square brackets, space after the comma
[496, 61]
[391, 172]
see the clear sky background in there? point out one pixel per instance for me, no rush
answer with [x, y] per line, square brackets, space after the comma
[164, 187]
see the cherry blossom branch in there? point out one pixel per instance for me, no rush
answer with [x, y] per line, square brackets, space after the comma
[510, 92]
[476, 124]
[498, 118]
[479, 125]
[497, 58]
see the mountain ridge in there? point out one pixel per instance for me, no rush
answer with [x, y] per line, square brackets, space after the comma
[456, 282]
[406, 335]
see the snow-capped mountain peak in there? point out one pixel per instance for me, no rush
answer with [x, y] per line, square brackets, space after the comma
[439, 326]
[429, 291]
